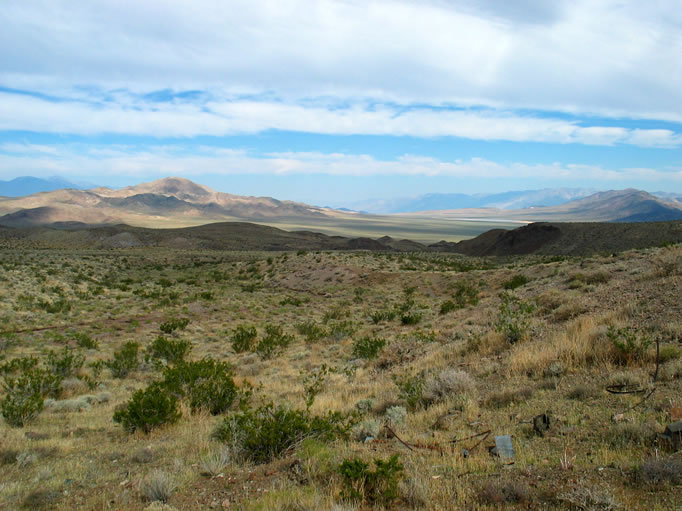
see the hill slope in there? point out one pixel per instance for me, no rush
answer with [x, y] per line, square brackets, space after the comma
[538, 238]
[568, 239]
[215, 236]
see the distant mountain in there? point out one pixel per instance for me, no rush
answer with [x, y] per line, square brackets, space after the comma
[447, 201]
[611, 206]
[177, 202]
[27, 185]
[165, 202]
[669, 197]
[628, 205]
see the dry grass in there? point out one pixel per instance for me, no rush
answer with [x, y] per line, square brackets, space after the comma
[582, 343]
[474, 379]
[158, 486]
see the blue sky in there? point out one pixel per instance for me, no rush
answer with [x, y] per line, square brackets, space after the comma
[336, 101]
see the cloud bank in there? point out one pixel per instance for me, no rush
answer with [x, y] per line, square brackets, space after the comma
[615, 58]
[543, 77]
[160, 161]
[223, 117]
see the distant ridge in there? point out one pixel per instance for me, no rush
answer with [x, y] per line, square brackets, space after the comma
[628, 205]
[448, 201]
[173, 199]
[216, 236]
[569, 239]
[176, 202]
[28, 185]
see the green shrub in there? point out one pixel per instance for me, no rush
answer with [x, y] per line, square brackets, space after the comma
[359, 293]
[56, 306]
[629, 347]
[22, 403]
[206, 384]
[274, 341]
[148, 409]
[515, 281]
[335, 313]
[250, 287]
[243, 338]
[411, 389]
[340, 329]
[172, 351]
[84, 341]
[165, 283]
[47, 383]
[513, 318]
[411, 317]
[173, 324]
[125, 360]
[313, 383]
[466, 294]
[26, 385]
[379, 486]
[295, 301]
[447, 306]
[311, 330]
[65, 364]
[368, 347]
[382, 315]
[269, 431]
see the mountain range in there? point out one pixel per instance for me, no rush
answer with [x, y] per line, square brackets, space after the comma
[627, 205]
[165, 202]
[177, 202]
[446, 201]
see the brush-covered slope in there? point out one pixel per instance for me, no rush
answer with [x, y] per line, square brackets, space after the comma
[568, 238]
[215, 236]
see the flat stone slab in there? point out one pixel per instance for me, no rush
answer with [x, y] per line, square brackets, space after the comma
[503, 447]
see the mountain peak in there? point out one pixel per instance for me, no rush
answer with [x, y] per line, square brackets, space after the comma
[176, 186]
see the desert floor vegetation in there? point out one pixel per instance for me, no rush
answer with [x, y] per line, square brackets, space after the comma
[171, 379]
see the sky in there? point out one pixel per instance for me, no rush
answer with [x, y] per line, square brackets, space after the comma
[335, 101]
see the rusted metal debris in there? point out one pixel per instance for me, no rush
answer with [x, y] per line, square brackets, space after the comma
[541, 424]
[673, 434]
[627, 388]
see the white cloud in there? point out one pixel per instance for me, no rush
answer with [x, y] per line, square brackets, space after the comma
[160, 161]
[221, 116]
[609, 57]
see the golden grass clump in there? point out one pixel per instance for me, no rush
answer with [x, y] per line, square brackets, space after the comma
[582, 343]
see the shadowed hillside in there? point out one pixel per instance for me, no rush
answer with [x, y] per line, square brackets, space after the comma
[568, 239]
[537, 238]
[216, 236]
